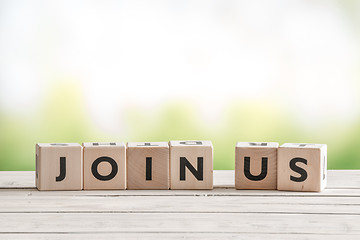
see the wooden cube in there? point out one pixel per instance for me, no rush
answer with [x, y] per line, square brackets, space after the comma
[191, 165]
[59, 166]
[255, 165]
[104, 166]
[148, 165]
[302, 167]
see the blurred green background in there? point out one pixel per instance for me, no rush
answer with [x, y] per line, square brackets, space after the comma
[75, 71]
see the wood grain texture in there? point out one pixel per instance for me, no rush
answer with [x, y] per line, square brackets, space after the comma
[49, 158]
[221, 213]
[158, 173]
[179, 204]
[175, 235]
[180, 222]
[193, 152]
[249, 159]
[115, 153]
[314, 157]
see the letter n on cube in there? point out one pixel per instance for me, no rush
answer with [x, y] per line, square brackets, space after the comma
[191, 165]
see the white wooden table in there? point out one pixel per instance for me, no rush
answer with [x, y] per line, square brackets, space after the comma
[224, 212]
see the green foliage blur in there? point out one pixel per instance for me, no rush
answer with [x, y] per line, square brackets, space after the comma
[63, 118]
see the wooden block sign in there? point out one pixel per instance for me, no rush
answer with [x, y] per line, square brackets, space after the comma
[148, 165]
[255, 165]
[191, 165]
[302, 167]
[104, 166]
[59, 166]
[178, 165]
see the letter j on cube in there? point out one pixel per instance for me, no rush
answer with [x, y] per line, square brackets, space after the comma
[59, 166]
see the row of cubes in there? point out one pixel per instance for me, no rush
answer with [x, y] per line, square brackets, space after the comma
[177, 165]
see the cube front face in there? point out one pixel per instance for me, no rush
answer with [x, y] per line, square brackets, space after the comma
[191, 165]
[104, 166]
[59, 166]
[302, 167]
[148, 165]
[256, 165]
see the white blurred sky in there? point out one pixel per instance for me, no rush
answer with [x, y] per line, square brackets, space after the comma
[300, 55]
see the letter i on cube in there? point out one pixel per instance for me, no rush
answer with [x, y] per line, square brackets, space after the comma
[148, 165]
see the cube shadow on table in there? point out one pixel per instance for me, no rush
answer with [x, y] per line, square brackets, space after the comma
[191, 165]
[148, 165]
[59, 166]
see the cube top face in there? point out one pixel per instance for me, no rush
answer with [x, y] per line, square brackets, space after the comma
[191, 143]
[191, 165]
[59, 166]
[58, 145]
[102, 144]
[302, 167]
[303, 145]
[148, 165]
[148, 144]
[257, 144]
[256, 165]
[104, 166]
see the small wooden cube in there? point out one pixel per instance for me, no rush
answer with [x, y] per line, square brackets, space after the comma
[148, 165]
[59, 166]
[104, 166]
[191, 165]
[302, 167]
[255, 165]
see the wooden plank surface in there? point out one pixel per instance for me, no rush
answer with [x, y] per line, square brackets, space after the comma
[187, 204]
[338, 179]
[175, 235]
[224, 212]
[180, 222]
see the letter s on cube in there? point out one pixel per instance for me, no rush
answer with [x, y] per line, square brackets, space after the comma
[302, 167]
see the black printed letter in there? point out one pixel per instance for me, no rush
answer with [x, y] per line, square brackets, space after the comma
[62, 169]
[262, 175]
[148, 168]
[197, 173]
[297, 169]
[114, 168]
